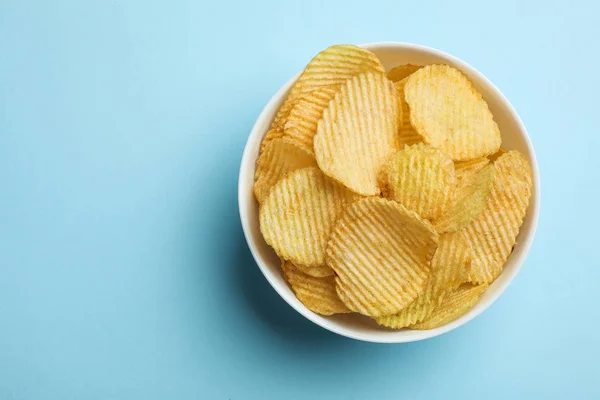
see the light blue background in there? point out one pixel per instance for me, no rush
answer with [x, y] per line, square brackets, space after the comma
[124, 273]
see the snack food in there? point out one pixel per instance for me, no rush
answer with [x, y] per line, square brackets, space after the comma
[389, 196]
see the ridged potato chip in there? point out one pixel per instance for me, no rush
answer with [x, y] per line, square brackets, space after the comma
[493, 234]
[419, 177]
[270, 135]
[279, 157]
[464, 168]
[301, 125]
[358, 132]
[381, 253]
[330, 68]
[469, 197]
[319, 272]
[454, 305]
[400, 72]
[317, 294]
[298, 214]
[408, 134]
[450, 114]
[449, 267]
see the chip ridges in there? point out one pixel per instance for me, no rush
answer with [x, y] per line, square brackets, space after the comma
[301, 125]
[298, 214]
[279, 157]
[450, 114]
[493, 234]
[419, 177]
[317, 294]
[380, 252]
[358, 132]
[449, 267]
[454, 305]
[408, 134]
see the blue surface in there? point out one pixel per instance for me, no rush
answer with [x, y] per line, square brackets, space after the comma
[123, 269]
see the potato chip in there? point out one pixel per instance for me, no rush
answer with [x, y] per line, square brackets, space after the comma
[419, 177]
[319, 272]
[449, 267]
[447, 110]
[270, 135]
[317, 294]
[400, 72]
[284, 111]
[454, 305]
[463, 168]
[279, 157]
[493, 234]
[497, 154]
[301, 125]
[330, 68]
[358, 132]
[380, 252]
[297, 216]
[408, 134]
[334, 66]
[469, 197]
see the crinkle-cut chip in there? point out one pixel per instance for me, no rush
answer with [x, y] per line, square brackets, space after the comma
[269, 136]
[358, 132]
[419, 177]
[402, 71]
[450, 114]
[281, 117]
[297, 216]
[454, 305]
[469, 197]
[334, 66]
[497, 154]
[279, 157]
[319, 272]
[464, 168]
[448, 269]
[301, 125]
[408, 134]
[317, 294]
[493, 234]
[381, 253]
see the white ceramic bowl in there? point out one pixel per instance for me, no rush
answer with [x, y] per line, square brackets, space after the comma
[514, 137]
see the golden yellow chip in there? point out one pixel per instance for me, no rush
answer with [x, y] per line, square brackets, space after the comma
[358, 132]
[400, 72]
[408, 134]
[279, 157]
[419, 177]
[270, 135]
[297, 216]
[493, 234]
[330, 68]
[380, 252]
[454, 305]
[301, 125]
[319, 272]
[450, 114]
[449, 267]
[497, 154]
[334, 66]
[283, 112]
[464, 168]
[469, 197]
[317, 294]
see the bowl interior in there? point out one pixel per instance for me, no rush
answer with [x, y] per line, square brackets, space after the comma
[514, 137]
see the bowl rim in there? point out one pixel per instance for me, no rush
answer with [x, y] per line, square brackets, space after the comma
[534, 208]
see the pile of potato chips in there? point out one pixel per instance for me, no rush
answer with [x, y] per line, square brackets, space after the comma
[388, 194]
